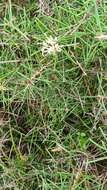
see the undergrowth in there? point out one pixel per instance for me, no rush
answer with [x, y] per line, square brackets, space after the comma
[53, 106]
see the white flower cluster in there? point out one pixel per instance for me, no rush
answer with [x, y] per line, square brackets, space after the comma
[51, 46]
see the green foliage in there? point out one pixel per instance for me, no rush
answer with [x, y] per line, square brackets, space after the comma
[53, 106]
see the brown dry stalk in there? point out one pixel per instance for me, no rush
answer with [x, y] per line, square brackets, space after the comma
[44, 7]
[101, 97]
[37, 73]
[71, 31]
[98, 2]
[101, 36]
[79, 64]
[57, 149]
[83, 19]
[87, 86]
[8, 186]
[82, 69]
[76, 179]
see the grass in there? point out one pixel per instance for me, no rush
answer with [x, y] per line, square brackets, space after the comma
[53, 108]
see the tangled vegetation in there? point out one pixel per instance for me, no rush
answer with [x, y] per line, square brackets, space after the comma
[53, 95]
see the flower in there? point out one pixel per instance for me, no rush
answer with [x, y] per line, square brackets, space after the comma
[51, 46]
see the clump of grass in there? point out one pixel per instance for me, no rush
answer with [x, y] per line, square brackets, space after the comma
[53, 108]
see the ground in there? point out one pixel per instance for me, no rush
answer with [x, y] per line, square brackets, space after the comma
[53, 95]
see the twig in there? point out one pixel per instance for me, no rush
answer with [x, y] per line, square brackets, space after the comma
[71, 31]
[101, 97]
[85, 16]
[10, 61]
[80, 66]
[37, 73]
